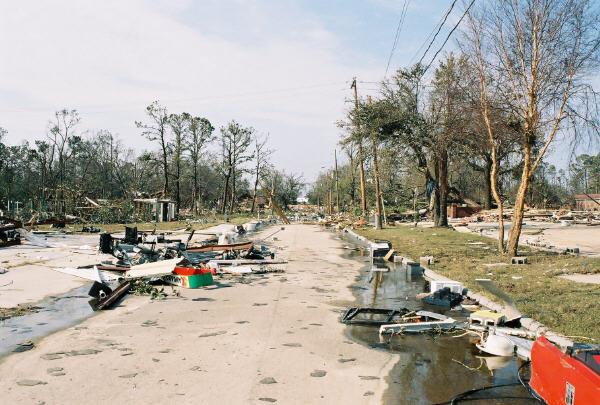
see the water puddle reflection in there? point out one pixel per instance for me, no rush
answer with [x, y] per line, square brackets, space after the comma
[56, 313]
[432, 368]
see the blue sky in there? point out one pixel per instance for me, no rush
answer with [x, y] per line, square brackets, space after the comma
[283, 66]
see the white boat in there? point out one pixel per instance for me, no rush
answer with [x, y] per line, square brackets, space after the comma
[420, 321]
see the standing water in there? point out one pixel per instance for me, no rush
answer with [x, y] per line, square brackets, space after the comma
[432, 368]
[55, 313]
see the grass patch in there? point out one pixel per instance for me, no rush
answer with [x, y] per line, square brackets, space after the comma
[565, 306]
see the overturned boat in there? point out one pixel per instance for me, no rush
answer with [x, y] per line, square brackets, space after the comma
[420, 321]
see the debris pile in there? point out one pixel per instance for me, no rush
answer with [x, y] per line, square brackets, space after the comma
[142, 261]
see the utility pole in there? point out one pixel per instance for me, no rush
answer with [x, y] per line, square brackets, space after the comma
[378, 201]
[337, 185]
[330, 208]
[415, 193]
[361, 155]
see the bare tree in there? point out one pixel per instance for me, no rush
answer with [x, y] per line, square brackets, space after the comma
[261, 161]
[545, 50]
[157, 130]
[61, 132]
[235, 141]
[179, 126]
[200, 134]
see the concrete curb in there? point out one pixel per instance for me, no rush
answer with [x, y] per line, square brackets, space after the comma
[531, 325]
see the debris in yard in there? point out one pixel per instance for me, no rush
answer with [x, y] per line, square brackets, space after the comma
[487, 318]
[380, 248]
[372, 316]
[421, 321]
[93, 273]
[190, 281]
[106, 244]
[9, 232]
[389, 256]
[572, 251]
[158, 268]
[91, 229]
[497, 345]
[105, 297]
[454, 286]
[518, 260]
[426, 260]
[444, 297]
[242, 246]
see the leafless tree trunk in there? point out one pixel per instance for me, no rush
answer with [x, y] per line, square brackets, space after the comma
[60, 133]
[200, 133]
[492, 136]
[179, 127]
[545, 50]
[156, 130]
[378, 205]
[235, 141]
[261, 160]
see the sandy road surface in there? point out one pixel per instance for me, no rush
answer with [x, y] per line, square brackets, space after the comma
[276, 338]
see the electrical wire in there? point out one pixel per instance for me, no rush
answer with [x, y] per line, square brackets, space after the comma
[440, 25]
[100, 108]
[463, 396]
[397, 36]
[526, 383]
[449, 35]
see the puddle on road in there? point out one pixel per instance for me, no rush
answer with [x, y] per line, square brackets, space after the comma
[428, 371]
[56, 313]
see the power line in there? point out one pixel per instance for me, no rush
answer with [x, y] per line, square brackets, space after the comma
[438, 30]
[449, 35]
[397, 36]
[251, 95]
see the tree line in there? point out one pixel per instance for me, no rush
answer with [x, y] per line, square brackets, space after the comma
[482, 124]
[200, 168]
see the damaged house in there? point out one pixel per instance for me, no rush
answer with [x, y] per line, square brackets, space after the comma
[154, 209]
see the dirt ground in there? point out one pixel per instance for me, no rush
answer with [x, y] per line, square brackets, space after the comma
[586, 238]
[271, 338]
[555, 236]
[30, 276]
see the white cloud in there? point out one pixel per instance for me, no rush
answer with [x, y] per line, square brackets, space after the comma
[221, 59]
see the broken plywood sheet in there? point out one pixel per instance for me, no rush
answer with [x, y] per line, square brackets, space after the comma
[159, 268]
[88, 273]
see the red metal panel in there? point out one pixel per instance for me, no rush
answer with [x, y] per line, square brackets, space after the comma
[561, 379]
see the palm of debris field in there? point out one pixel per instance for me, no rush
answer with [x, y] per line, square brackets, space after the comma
[273, 337]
